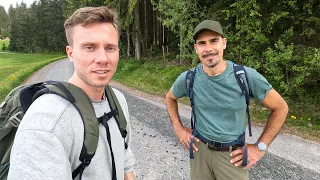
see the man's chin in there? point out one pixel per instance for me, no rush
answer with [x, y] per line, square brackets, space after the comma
[100, 84]
[212, 65]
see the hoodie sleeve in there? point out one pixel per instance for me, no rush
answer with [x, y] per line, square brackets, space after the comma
[129, 160]
[43, 157]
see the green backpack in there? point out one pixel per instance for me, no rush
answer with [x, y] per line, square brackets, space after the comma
[17, 102]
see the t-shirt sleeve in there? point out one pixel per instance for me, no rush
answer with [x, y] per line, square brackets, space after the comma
[179, 87]
[259, 85]
[43, 157]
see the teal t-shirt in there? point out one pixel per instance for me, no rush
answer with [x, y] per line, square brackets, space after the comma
[220, 107]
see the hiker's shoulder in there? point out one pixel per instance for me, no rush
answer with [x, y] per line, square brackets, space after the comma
[120, 96]
[48, 112]
[49, 103]
[118, 93]
[123, 102]
[250, 71]
[182, 77]
[253, 73]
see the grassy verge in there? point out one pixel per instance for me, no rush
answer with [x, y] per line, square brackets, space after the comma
[16, 68]
[303, 119]
[4, 42]
[157, 78]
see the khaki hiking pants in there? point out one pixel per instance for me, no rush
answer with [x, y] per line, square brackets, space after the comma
[214, 165]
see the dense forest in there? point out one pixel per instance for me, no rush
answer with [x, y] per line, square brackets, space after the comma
[278, 38]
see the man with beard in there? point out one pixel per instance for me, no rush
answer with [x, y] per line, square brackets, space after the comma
[220, 111]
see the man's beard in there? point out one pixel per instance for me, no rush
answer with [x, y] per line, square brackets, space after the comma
[211, 63]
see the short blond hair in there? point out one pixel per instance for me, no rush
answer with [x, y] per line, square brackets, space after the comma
[89, 15]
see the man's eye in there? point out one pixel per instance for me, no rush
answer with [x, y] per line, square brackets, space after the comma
[89, 47]
[214, 40]
[110, 49]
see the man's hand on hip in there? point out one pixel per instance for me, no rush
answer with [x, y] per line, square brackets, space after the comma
[185, 136]
[254, 155]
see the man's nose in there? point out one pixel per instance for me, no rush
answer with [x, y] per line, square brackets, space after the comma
[101, 56]
[208, 48]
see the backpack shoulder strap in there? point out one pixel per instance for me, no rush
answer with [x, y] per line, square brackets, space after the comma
[119, 116]
[240, 75]
[190, 80]
[114, 104]
[91, 129]
[85, 108]
[189, 83]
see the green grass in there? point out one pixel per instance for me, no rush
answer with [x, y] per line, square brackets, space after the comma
[15, 68]
[157, 77]
[303, 118]
[5, 42]
[16, 59]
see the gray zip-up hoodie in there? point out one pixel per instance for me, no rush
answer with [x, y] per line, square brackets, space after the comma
[50, 137]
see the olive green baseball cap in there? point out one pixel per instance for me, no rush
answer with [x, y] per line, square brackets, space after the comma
[207, 25]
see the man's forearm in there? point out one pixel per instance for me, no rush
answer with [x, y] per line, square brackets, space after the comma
[274, 124]
[172, 108]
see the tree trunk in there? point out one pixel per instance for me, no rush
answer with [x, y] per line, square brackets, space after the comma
[146, 44]
[160, 32]
[154, 26]
[137, 32]
[150, 24]
[181, 45]
[163, 44]
[128, 41]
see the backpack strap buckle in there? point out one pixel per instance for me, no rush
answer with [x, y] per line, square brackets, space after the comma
[86, 162]
[14, 120]
[79, 170]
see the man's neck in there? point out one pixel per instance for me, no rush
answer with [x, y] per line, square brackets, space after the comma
[94, 93]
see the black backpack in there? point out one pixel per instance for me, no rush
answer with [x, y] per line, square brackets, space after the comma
[17, 102]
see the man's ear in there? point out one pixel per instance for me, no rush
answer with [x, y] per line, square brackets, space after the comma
[69, 52]
[195, 48]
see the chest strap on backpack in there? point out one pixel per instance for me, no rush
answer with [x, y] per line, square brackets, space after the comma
[79, 170]
[119, 117]
[104, 121]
